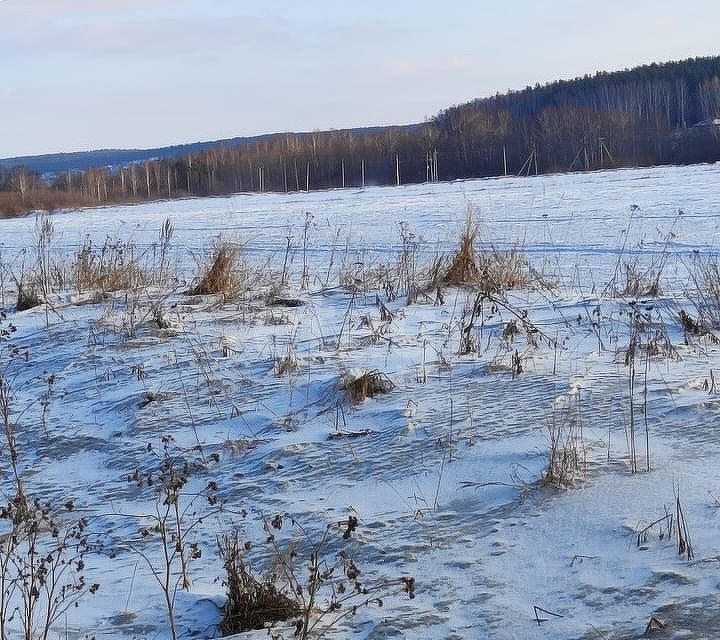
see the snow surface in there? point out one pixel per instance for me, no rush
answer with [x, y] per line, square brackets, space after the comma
[444, 470]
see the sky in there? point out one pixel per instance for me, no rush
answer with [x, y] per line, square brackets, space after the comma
[77, 75]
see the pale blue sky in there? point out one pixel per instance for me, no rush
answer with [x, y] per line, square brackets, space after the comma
[87, 74]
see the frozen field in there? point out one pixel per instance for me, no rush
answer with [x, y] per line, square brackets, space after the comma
[446, 470]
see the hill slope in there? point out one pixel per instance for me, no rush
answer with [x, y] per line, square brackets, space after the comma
[654, 114]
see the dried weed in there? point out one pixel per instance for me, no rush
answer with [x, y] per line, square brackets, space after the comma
[365, 384]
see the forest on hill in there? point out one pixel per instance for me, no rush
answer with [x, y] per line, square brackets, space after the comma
[654, 114]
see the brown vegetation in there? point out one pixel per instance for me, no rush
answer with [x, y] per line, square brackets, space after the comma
[490, 271]
[27, 297]
[566, 453]
[463, 268]
[251, 602]
[13, 203]
[221, 276]
[366, 385]
[112, 267]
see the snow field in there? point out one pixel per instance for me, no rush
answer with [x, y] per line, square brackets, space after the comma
[444, 472]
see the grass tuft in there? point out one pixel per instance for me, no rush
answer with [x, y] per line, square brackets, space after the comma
[566, 453]
[502, 270]
[112, 267]
[491, 270]
[221, 276]
[27, 297]
[252, 603]
[704, 293]
[366, 384]
[463, 269]
[641, 284]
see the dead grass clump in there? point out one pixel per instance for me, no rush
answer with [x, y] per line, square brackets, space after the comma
[502, 270]
[359, 385]
[705, 290]
[27, 296]
[463, 269]
[691, 325]
[641, 284]
[251, 602]
[491, 270]
[566, 454]
[286, 365]
[222, 275]
[112, 267]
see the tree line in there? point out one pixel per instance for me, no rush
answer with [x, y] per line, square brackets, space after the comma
[654, 114]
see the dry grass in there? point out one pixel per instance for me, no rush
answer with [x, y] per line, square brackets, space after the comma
[463, 269]
[490, 270]
[704, 292]
[27, 297]
[251, 602]
[222, 275]
[114, 266]
[286, 365]
[366, 384]
[14, 204]
[641, 284]
[502, 270]
[566, 454]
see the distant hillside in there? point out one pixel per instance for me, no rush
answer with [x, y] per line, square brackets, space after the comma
[653, 114]
[55, 163]
[80, 160]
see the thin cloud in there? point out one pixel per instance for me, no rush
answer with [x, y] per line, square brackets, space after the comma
[418, 67]
[53, 8]
[139, 35]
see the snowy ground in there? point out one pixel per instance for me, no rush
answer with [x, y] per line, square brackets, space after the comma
[443, 471]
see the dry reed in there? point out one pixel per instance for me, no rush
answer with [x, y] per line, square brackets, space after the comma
[222, 275]
[359, 386]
